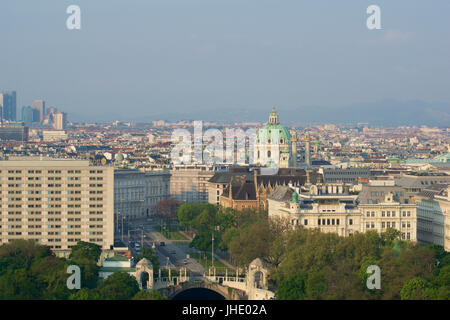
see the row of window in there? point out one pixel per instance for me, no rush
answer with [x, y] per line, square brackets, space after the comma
[53, 171]
[52, 185]
[327, 222]
[388, 214]
[51, 212]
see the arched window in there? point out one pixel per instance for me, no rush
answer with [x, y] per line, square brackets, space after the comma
[258, 154]
[269, 154]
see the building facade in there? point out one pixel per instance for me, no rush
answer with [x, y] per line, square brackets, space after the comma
[331, 208]
[59, 120]
[39, 105]
[56, 202]
[433, 209]
[244, 191]
[336, 213]
[189, 183]
[443, 199]
[8, 105]
[220, 181]
[347, 175]
[137, 192]
[15, 131]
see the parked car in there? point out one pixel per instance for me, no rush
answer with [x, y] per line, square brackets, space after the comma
[162, 244]
[137, 245]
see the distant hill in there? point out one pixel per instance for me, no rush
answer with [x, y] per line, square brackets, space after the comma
[388, 113]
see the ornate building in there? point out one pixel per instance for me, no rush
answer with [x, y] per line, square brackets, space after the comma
[273, 145]
[244, 192]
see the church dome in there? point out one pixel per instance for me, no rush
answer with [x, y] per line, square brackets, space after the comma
[273, 131]
[273, 144]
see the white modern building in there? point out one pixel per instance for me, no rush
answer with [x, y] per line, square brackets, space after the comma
[56, 202]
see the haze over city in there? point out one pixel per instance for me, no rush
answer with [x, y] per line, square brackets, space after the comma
[181, 60]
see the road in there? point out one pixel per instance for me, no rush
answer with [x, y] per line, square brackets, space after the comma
[174, 250]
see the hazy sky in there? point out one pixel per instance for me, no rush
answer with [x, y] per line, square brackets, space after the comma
[137, 59]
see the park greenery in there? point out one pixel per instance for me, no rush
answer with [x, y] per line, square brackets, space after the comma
[309, 264]
[29, 270]
[305, 263]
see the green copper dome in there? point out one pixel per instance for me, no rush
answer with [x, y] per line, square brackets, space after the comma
[273, 131]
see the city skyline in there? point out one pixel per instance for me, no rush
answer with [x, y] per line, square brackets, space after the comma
[164, 58]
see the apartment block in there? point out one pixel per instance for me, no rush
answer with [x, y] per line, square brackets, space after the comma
[56, 202]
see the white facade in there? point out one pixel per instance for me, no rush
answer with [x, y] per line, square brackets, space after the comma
[137, 192]
[189, 183]
[342, 213]
[56, 202]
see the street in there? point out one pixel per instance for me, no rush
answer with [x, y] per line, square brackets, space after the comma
[173, 253]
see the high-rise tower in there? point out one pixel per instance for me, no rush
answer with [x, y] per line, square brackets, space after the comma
[40, 106]
[307, 150]
[8, 104]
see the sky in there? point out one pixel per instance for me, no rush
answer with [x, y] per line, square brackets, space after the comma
[141, 60]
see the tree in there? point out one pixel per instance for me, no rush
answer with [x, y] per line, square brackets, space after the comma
[18, 284]
[413, 289]
[85, 250]
[118, 286]
[166, 209]
[397, 268]
[292, 288]
[148, 295]
[253, 242]
[31, 271]
[316, 284]
[390, 235]
[202, 242]
[187, 212]
[51, 277]
[85, 255]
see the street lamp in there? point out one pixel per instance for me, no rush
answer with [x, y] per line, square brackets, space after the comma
[212, 240]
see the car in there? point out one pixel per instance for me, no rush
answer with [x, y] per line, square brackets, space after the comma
[137, 245]
[162, 244]
[185, 261]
